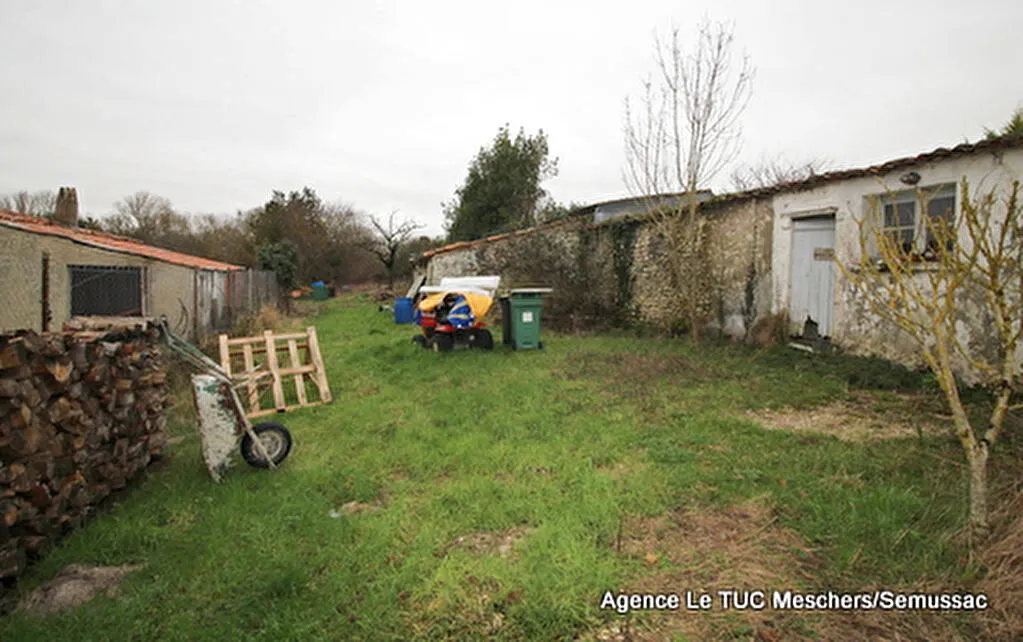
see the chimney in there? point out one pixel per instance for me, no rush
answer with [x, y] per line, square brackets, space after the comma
[67, 207]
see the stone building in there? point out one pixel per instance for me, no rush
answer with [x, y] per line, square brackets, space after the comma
[772, 251]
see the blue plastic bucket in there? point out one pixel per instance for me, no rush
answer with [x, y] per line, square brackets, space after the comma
[403, 310]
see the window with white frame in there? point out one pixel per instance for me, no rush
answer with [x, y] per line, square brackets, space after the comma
[909, 217]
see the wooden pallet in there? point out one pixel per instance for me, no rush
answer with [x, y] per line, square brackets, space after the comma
[265, 352]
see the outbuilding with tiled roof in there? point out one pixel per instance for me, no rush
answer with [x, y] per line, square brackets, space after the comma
[52, 270]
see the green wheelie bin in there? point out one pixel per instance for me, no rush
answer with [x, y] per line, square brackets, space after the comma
[525, 306]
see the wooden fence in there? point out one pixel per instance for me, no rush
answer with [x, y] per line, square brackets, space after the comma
[221, 298]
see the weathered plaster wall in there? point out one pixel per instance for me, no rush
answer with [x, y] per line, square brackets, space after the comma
[166, 288]
[857, 328]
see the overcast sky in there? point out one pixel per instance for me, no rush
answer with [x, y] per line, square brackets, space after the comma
[213, 104]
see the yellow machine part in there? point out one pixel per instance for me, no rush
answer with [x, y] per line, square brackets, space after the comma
[479, 303]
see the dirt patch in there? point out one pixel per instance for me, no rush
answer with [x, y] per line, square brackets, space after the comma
[861, 419]
[500, 543]
[1003, 584]
[74, 586]
[355, 508]
[741, 548]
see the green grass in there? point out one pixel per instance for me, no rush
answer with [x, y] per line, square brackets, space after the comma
[451, 444]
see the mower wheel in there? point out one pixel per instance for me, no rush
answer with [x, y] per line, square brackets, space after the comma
[275, 439]
[484, 340]
[443, 342]
[420, 339]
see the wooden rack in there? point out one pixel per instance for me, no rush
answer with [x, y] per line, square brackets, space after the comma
[264, 353]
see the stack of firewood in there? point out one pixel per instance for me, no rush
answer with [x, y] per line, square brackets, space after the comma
[81, 413]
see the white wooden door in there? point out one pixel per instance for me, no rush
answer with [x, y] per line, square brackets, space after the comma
[813, 271]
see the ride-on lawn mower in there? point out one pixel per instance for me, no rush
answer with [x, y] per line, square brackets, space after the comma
[450, 315]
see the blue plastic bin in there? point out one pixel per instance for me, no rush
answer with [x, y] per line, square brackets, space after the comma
[403, 310]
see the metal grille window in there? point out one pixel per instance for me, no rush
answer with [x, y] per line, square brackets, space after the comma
[105, 290]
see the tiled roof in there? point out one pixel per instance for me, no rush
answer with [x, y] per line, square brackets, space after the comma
[109, 242]
[995, 144]
[965, 149]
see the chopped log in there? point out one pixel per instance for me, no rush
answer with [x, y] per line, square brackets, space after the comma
[98, 371]
[9, 405]
[43, 465]
[54, 346]
[12, 559]
[62, 467]
[24, 441]
[61, 368]
[33, 341]
[23, 480]
[8, 512]
[46, 389]
[35, 545]
[59, 410]
[79, 356]
[20, 418]
[79, 416]
[121, 451]
[9, 388]
[13, 354]
[75, 390]
[30, 394]
[39, 496]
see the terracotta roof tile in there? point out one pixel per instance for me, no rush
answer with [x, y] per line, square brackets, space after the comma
[111, 242]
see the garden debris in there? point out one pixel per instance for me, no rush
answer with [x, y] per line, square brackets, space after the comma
[500, 543]
[354, 508]
[74, 586]
[855, 420]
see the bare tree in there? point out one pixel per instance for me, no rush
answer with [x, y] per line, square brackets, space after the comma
[140, 215]
[774, 171]
[388, 240]
[41, 203]
[926, 286]
[685, 132]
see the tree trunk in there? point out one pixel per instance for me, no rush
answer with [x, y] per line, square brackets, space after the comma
[979, 526]
[693, 236]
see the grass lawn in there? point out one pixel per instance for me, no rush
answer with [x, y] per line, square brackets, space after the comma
[500, 494]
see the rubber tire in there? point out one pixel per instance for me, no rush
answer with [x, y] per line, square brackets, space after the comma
[443, 342]
[251, 454]
[484, 340]
[420, 339]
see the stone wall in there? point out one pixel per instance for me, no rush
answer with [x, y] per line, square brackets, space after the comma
[618, 271]
[81, 414]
